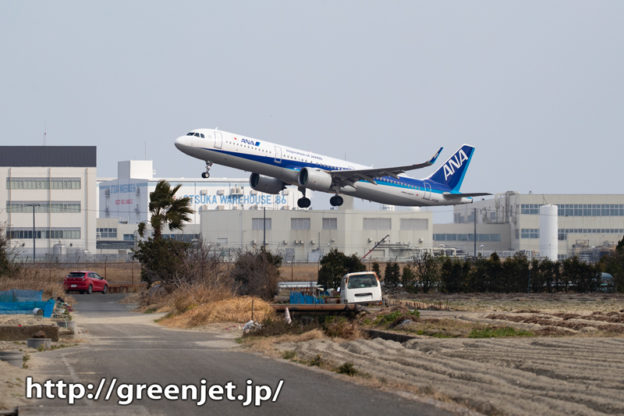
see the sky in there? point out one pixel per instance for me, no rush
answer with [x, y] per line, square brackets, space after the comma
[535, 86]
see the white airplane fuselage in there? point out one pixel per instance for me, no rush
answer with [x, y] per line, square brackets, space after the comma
[285, 164]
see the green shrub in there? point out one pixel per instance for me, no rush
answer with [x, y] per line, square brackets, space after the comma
[289, 355]
[499, 332]
[348, 369]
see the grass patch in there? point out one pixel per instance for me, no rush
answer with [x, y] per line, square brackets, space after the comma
[150, 310]
[497, 332]
[348, 369]
[396, 317]
[341, 327]
[289, 355]
[25, 360]
[436, 334]
[316, 361]
[59, 346]
[272, 326]
[167, 316]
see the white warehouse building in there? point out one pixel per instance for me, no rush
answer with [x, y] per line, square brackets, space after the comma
[127, 196]
[60, 183]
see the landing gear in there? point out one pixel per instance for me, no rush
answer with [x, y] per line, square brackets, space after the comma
[206, 174]
[303, 202]
[336, 200]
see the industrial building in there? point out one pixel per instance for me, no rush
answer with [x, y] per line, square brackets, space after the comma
[58, 183]
[126, 197]
[306, 235]
[587, 224]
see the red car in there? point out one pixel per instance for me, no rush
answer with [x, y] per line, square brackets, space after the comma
[85, 281]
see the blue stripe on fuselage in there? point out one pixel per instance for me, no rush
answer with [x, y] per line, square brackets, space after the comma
[297, 165]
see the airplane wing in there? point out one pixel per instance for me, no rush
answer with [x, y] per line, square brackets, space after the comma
[349, 177]
[449, 195]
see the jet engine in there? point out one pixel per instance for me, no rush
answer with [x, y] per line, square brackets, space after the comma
[315, 179]
[266, 184]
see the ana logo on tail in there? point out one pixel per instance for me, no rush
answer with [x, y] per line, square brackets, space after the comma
[453, 163]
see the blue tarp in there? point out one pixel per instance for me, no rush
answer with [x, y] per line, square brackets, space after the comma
[26, 308]
[300, 298]
[17, 295]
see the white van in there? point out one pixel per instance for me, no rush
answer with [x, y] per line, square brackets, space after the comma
[360, 287]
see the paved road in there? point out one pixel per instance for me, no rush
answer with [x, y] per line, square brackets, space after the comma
[124, 346]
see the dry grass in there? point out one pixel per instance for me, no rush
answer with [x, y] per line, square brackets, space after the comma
[271, 345]
[233, 309]
[113, 272]
[35, 279]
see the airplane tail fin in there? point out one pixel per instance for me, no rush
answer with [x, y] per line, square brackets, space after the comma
[452, 172]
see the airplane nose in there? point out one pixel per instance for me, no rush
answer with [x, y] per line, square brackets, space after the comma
[182, 142]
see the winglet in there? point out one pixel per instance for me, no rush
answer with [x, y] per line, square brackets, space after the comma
[435, 157]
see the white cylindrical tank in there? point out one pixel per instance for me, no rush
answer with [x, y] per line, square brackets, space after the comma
[548, 228]
[59, 249]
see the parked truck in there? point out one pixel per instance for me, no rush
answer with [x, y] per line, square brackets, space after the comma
[360, 288]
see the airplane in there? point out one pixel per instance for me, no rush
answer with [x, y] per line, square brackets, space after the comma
[273, 167]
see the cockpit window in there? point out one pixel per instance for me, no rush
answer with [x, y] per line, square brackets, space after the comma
[202, 135]
[190, 133]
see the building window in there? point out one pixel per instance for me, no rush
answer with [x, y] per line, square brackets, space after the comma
[45, 233]
[529, 233]
[579, 210]
[591, 210]
[17, 207]
[330, 223]
[529, 209]
[414, 224]
[43, 183]
[563, 232]
[106, 232]
[466, 237]
[377, 223]
[258, 223]
[300, 223]
[128, 237]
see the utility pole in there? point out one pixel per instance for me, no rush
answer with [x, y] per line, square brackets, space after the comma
[33, 231]
[474, 237]
[264, 229]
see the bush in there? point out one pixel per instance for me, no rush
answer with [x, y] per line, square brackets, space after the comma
[348, 369]
[428, 272]
[257, 274]
[408, 278]
[336, 264]
[341, 327]
[392, 276]
[161, 260]
[7, 266]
